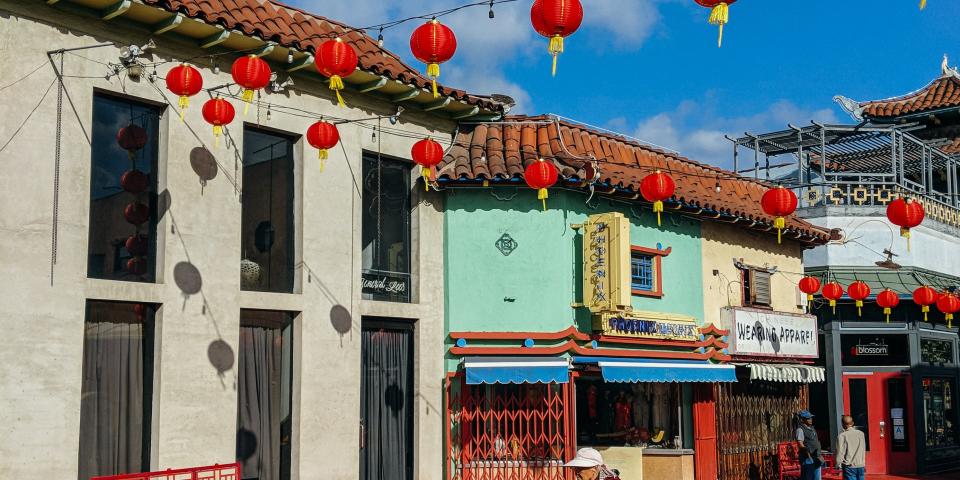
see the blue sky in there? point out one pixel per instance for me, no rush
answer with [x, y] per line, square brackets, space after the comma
[651, 68]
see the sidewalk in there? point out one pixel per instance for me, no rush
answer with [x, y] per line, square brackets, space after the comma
[946, 476]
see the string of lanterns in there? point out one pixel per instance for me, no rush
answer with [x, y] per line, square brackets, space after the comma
[133, 138]
[924, 296]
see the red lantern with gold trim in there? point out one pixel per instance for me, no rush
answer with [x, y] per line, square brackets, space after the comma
[948, 303]
[134, 181]
[832, 291]
[810, 286]
[218, 112]
[657, 187]
[719, 14]
[925, 296]
[779, 203]
[556, 20]
[540, 176]
[252, 73]
[906, 213]
[184, 81]
[336, 60]
[433, 43]
[132, 138]
[136, 245]
[136, 213]
[858, 291]
[888, 300]
[428, 154]
[323, 136]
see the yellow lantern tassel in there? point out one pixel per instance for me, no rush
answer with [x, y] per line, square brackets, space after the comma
[555, 49]
[433, 71]
[833, 305]
[925, 309]
[322, 155]
[217, 131]
[779, 223]
[542, 195]
[949, 318]
[923, 4]
[247, 100]
[425, 172]
[720, 15]
[905, 233]
[859, 307]
[886, 311]
[336, 84]
[657, 208]
[183, 104]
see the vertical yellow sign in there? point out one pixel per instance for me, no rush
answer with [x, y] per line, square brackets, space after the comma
[606, 262]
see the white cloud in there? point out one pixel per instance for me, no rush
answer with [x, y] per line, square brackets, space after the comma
[693, 131]
[631, 22]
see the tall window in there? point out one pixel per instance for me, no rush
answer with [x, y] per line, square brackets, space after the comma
[642, 277]
[116, 390]
[386, 229]
[264, 397]
[645, 270]
[267, 230]
[123, 190]
[938, 412]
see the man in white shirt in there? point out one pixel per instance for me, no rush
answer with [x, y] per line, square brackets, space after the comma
[850, 450]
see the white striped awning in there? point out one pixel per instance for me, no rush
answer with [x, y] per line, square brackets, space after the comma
[788, 373]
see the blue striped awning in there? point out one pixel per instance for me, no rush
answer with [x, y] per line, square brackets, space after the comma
[648, 370]
[480, 370]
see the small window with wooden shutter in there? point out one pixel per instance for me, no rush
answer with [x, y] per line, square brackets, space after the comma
[756, 287]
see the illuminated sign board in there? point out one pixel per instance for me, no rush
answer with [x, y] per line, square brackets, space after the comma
[606, 262]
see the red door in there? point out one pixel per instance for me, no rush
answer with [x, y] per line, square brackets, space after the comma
[881, 407]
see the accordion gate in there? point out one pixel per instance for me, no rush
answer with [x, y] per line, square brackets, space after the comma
[508, 432]
[752, 418]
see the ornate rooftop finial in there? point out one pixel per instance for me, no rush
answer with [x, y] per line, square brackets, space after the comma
[851, 106]
[945, 65]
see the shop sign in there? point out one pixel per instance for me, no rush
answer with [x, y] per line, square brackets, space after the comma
[870, 349]
[379, 283]
[648, 325]
[864, 350]
[774, 334]
[606, 262]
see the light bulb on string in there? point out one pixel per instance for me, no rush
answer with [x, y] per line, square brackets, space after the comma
[380, 38]
[717, 186]
[289, 56]
[490, 13]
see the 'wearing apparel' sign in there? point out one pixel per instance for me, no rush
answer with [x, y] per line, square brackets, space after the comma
[774, 334]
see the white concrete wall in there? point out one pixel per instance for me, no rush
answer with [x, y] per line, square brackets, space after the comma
[195, 409]
[932, 244]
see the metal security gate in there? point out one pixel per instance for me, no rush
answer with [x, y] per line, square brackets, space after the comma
[752, 418]
[508, 432]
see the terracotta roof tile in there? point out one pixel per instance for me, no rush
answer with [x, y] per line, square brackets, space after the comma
[501, 150]
[943, 92]
[295, 28]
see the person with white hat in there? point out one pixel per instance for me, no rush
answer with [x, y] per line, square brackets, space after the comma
[588, 465]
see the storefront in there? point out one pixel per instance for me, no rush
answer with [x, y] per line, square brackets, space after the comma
[899, 383]
[773, 353]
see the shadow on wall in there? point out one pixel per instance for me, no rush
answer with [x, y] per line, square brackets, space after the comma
[204, 165]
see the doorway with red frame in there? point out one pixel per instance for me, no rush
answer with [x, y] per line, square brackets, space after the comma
[882, 408]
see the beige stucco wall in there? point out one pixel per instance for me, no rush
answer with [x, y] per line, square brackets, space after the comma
[722, 243]
[195, 408]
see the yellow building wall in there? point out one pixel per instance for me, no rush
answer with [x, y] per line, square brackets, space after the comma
[722, 243]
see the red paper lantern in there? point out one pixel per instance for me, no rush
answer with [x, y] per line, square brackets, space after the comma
[251, 73]
[136, 245]
[556, 20]
[779, 202]
[656, 188]
[323, 136]
[540, 176]
[719, 14]
[810, 286]
[924, 296]
[136, 213]
[336, 60]
[948, 303]
[184, 81]
[433, 43]
[905, 213]
[832, 291]
[132, 138]
[134, 181]
[218, 112]
[137, 265]
[887, 300]
[428, 154]
[858, 291]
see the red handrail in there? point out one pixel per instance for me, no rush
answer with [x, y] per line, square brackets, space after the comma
[230, 471]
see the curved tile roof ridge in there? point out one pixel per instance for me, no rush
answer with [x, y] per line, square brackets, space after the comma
[929, 97]
[292, 27]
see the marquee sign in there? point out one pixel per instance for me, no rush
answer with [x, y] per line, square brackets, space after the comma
[647, 325]
[606, 262]
[771, 334]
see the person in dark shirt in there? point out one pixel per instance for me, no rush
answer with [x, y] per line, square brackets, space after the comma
[808, 447]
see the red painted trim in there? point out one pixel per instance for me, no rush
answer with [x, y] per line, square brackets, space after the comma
[569, 332]
[651, 251]
[571, 346]
[171, 473]
[711, 329]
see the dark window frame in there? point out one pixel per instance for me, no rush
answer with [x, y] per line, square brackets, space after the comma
[748, 291]
[380, 251]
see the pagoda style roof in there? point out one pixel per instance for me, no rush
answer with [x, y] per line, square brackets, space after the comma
[593, 159]
[942, 93]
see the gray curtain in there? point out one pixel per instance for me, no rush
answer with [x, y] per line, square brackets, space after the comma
[258, 411]
[386, 405]
[111, 402]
